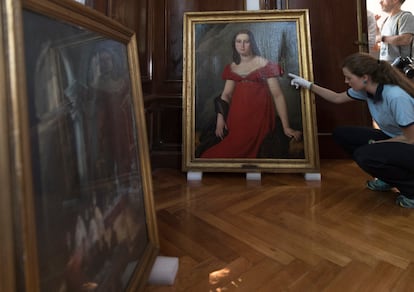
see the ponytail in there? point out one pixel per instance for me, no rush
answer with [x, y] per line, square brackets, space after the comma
[380, 71]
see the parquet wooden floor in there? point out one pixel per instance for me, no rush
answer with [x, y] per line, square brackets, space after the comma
[283, 233]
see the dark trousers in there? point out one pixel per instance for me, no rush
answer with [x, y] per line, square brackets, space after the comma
[392, 162]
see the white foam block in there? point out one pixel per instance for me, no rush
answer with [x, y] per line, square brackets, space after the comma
[252, 4]
[194, 175]
[253, 176]
[163, 271]
[312, 176]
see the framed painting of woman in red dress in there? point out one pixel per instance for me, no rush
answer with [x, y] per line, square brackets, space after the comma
[240, 113]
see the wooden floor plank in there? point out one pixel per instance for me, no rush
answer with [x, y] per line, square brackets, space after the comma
[283, 233]
[254, 242]
[350, 278]
[285, 278]
[255, 277]
[316, 278]
[383, 278]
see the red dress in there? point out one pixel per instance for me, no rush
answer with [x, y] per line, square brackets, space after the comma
[251, 116]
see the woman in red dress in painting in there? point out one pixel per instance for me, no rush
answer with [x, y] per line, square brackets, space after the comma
[252, 93]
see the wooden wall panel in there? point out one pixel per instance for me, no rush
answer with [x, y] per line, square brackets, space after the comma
[168, 39]
[159, 24]
[338, 40]
[100, 5]
[173, 48]
[164, 123]
[164, 104]
[138, 15]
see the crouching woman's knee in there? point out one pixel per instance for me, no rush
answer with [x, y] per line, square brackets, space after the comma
[364, 157]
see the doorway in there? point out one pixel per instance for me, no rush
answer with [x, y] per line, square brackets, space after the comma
[375, 18]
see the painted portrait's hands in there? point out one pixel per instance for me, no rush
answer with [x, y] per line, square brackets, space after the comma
[221, 126]
[293, 134]
[298, 81]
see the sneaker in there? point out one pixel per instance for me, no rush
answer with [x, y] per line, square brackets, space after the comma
[378, 185]
[404, 202]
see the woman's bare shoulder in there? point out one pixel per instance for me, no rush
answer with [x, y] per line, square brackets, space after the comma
[261, 60]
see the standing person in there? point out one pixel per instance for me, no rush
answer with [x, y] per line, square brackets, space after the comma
[373, 31]
[396, 31]
[386, 153]
[251, 93]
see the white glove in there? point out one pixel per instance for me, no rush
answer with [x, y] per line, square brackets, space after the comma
[298, 81]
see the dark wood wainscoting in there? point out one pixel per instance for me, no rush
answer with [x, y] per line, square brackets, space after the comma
[164, 124]
[159, 27]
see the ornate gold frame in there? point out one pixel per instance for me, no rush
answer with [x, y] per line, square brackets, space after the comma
[300, 62]
[19, 250]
